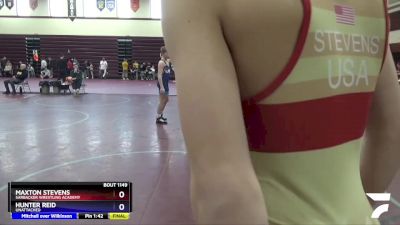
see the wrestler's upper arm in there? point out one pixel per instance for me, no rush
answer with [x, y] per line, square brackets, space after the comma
[208, 93]
[211, 115]
[380, 154]
[209, 99]
[386, 101]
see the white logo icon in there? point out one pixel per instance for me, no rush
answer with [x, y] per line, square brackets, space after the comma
[379, 197]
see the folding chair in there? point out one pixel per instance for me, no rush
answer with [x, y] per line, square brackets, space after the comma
[65, 88]
[24, 84]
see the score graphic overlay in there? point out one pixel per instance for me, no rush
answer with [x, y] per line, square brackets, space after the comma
[69, 200]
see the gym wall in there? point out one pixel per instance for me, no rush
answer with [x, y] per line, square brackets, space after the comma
[88, 38]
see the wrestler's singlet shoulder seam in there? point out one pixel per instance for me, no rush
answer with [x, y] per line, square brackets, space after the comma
[296, 55]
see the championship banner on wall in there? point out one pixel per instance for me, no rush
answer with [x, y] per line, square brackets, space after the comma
[72, 9]
[10, 4]
[110, 4]
[135, 5]
[101, 4]
[33, 4]
[1, 4]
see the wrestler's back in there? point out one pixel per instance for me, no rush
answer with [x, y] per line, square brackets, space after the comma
[314, 183]
[262, 36]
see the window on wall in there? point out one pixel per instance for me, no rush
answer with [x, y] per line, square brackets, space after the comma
[155, 9]
[124, 8]
[89, 8]
[56, 9]
[23, 8]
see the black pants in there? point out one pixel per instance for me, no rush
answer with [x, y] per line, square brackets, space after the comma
[7, 73]
[63, 75]
[76, 84]
[12, 82]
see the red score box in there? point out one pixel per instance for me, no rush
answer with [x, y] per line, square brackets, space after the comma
[80, 195]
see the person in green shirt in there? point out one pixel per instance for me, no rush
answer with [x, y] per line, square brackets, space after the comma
[76, 75]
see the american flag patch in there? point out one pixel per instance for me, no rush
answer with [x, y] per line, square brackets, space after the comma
[345, 14]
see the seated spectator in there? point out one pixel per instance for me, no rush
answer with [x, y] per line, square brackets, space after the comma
[21, 75]
[135, 70]
[148, 67]
[31, 70]
[76, 76]
[8, 69]
[153, 72]
[43, 64]
[136, 65]
[44, 71]
[143, 67]
[45, 74]
[149, 73]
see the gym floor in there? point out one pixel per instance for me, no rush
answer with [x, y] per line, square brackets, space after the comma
[105, 137]
[97, 137]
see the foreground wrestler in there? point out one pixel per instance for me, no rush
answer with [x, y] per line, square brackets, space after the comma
[275, 97]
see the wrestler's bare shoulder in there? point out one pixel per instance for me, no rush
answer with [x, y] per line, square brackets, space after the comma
[261, 34]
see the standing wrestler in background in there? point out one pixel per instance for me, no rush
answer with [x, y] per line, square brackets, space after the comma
[163, 84]
[298, 84]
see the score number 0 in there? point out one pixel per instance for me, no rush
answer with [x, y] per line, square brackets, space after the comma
[121, 195]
